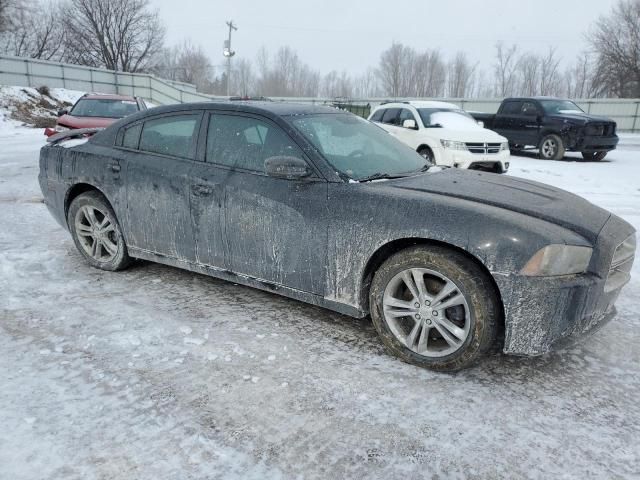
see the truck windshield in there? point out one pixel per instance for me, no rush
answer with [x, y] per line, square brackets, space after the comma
[103, 107]
[560, 106]
[357, 148]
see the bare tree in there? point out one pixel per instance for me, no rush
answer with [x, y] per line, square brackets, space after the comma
[460, 76]
[505, 69]
[549, 76]
[391, 68]
[528, 71]
[119, 35]
[616, 41]
[578, 78]
[243, 77]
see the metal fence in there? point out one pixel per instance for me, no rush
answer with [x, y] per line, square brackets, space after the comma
[29, 72]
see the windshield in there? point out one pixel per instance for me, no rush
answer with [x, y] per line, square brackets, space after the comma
[356, 147]
[447, 118]
[560, 106]
[103, 107]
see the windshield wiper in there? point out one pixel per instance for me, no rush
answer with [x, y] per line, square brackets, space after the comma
[381, 176]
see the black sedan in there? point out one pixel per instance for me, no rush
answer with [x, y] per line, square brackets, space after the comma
[324, 207]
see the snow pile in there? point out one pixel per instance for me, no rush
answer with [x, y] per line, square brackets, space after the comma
[33, 107]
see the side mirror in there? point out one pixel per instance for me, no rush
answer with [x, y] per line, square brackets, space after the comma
[62, 112]
[481, 123]
[286, 167]
[410, 123]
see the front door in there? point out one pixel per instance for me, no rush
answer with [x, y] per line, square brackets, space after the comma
[275, 229]
[158, 186]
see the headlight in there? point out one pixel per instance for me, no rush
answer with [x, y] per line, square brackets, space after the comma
[554, 260]
[504, 146]
[625, 251]
[453, 145]
[60, 128]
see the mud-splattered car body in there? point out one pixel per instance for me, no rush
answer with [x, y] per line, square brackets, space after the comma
[321, 238]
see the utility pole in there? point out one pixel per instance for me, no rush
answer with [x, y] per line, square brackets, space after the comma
[227, 52]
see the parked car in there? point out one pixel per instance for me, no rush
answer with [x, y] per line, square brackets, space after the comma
[324, 207]
[444, 135]
[94, 110]
[552, 125]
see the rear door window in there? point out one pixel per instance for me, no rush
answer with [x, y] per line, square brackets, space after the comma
[512, 108]
[377, 115]
[529, 109]
[172, 135]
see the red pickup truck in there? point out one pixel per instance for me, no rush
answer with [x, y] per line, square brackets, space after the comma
[94, 110]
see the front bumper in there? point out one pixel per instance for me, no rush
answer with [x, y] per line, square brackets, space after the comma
[547, 313]
[462, 159]
[596, 144]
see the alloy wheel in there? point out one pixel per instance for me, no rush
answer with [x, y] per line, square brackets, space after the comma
[427, 312]
[549, 148]
[96, 234]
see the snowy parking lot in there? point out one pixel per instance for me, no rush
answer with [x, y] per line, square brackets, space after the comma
[158, 373]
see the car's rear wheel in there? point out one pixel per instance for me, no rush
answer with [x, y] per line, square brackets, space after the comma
[427, 154]
[435, 308]
[96, 232]
[552, 148]
[594, 156]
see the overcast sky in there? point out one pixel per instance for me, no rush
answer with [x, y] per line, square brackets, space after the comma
[350, 34]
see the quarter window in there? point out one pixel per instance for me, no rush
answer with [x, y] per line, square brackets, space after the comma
[132, 136]
[246, 142]
[169, 135]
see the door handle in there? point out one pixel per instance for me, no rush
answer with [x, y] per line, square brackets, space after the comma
[114, 167]
[201, 190]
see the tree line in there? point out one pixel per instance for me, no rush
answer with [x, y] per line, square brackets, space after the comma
[128, 35]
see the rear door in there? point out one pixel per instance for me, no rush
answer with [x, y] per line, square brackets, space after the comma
[505, 121]
[159, 164]
[274, 229]
[528, 124]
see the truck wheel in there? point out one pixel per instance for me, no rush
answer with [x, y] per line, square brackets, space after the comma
[427, 154]
[551, 148]
[435, 308]
[594, 156]
[96, 232]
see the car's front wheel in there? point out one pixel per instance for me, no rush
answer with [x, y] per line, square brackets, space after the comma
[96, 232]
[435, 308]
[594, 156]
[427, 154]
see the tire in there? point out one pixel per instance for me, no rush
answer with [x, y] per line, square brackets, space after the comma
[552, 148]
[427, 154]
[475, 308]
[96, 232]
[594, 156]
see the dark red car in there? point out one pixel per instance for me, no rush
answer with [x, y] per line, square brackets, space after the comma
[94, 110]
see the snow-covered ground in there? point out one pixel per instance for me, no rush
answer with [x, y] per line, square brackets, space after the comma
[157, 373]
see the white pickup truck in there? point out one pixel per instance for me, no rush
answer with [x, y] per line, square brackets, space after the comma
[444, 134]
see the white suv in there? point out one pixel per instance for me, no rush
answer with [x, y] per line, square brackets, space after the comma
[444, 134]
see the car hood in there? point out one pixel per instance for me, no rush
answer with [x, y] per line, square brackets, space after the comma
[85, 122]
[515, 194]
[581, 118]
[474, 135]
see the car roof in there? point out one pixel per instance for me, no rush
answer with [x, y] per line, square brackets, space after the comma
[421, 104]
[108, 96]
[274, 108]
